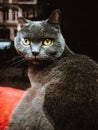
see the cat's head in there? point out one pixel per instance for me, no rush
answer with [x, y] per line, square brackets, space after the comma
[40, 41]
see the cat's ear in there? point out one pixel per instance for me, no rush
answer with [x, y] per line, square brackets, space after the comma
[55, 18]
[22, 22]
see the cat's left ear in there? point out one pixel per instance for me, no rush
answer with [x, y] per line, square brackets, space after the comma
[55, 18]
[22, 22]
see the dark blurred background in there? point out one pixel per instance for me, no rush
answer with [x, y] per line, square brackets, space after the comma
[79, 24]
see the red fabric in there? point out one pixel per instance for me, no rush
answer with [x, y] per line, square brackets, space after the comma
[9, 97]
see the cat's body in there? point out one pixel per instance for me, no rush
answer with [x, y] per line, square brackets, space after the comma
[64, 85]
[72, 100]
[29, 114]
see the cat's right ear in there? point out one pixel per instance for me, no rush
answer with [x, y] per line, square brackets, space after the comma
[22, 22]
[55, 18]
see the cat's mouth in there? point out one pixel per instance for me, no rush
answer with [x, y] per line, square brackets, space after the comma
[36, 61]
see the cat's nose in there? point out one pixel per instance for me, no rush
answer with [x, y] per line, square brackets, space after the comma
[35, 53]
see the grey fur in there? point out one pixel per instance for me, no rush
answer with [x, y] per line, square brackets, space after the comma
[64, 85]
[37, 31]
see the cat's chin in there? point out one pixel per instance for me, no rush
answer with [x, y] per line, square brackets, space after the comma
[35, 62]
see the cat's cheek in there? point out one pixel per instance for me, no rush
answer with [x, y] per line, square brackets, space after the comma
[19, 50]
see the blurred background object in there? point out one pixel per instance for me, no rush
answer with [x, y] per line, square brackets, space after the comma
[79, 23]
[13, 74]
[9, 10]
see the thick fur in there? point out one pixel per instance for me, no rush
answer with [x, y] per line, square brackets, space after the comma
[29, 114]
[64, 85]
[71, 98]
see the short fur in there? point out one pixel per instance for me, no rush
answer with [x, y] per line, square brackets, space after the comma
[64, 85]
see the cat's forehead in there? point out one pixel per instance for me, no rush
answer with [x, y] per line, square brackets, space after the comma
[36, 24]
[39, 29]
[42, 26]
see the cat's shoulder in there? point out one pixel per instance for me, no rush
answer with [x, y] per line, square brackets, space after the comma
[78, 63]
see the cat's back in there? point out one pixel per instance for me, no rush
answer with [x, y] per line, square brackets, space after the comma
[72, 95]
[75, 67]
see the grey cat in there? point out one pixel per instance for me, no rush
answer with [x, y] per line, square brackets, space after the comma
[64, 85]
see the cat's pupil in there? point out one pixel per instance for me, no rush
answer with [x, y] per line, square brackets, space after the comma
[26, 40]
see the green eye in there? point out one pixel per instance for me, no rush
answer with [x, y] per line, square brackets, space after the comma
[26, 42]
[47, 42]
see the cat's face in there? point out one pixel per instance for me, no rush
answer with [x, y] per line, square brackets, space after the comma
[39, 41]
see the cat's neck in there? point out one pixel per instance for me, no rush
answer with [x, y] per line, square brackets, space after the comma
[34, 70]
[67, 52]
[44, 68]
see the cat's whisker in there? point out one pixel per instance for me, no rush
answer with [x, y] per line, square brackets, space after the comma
[11, 60]
[13, 64]
[18, 63]
[3, 69]
[17, 57]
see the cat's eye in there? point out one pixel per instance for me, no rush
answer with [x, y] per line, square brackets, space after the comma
[47, 42]
[26, 42]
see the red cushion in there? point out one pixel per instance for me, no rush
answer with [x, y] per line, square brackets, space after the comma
[9, 97]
